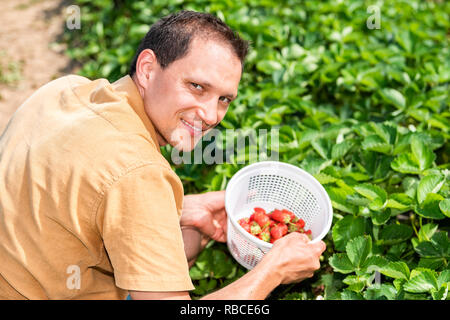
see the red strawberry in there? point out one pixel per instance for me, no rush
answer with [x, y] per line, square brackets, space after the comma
[281, 216]
[309, 234]
[244, 223]
[291, 214]
[297, 227]
[278, 231]
[300, 223]
[293, 227]
[257, 209]
[262, 219]
[265, 234]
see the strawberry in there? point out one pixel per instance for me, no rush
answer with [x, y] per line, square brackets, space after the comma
[291, 214]
[272, 223]
[244, 223]
[262, 219]
[255, 229]
[297, 227]
[278, 231]
[257, 209]
[281, 216]
[309, 234]
[300, 223]
[293, 227]
[265, 234]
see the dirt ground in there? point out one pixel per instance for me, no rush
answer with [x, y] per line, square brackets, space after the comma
[30, 54]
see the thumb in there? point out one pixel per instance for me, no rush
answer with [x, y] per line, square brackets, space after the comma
[211, 229]
[319, 246]
[214, 200]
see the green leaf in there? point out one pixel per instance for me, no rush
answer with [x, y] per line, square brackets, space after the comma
[393, 97]
[338, 197]
[432, 263]
[355, 283]
[339, 150]
[322, 147]
[386, 132]
[444, 205]
[396, 270]
[375, 194]
[346, 229]
[351, 295]
[429, 184]
[427, 231]
[429, 208]
[440, 294]
[409, 184]
[422, 155]
[374, 263]
[395, 233]
[324, 178]
[424, 281]
[380, 217]
[358, 249]
[314, 165]
[377, 144]
[438, 246]
[377, 291]
[371, 192]
[341, 263]
[268, 66]
[405, 163]
[443, 277]
[399, 201]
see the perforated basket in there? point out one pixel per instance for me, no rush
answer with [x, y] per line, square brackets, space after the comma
[273, 185]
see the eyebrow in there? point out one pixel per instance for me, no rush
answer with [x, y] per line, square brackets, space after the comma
[209, 85]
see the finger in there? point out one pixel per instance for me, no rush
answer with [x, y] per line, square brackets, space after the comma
[319, 247]
[214, 200]
[219, 235]
[304, 238]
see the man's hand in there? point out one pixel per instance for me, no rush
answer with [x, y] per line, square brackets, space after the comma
[206, 212]
[294, 257]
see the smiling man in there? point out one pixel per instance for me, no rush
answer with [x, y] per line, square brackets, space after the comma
[89, 207]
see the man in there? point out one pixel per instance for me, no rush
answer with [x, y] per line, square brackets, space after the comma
[89, 207]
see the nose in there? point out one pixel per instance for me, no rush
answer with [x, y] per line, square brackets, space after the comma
[208, 113]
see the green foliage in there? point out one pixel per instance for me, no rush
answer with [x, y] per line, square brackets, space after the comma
[366, 111]
[10, 71]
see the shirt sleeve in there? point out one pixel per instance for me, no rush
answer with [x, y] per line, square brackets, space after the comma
[140, 226]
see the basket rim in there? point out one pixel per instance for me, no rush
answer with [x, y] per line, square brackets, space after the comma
[265, 164]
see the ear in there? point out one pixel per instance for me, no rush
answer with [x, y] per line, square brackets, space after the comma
[145, 65]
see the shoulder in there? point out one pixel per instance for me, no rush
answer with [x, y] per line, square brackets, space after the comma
[67, 81]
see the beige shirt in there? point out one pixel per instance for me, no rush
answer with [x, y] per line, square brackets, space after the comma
[89, 207]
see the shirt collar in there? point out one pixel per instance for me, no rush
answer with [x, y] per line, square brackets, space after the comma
[127, 85]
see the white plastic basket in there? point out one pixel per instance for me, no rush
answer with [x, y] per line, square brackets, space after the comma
[273, 185]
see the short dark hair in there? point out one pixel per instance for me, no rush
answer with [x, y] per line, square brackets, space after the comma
[170, 37]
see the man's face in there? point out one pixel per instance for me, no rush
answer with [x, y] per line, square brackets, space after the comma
[193, 91]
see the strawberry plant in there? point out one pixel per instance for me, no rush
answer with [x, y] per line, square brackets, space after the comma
[365, 110]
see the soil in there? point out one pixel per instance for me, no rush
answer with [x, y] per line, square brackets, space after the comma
[30, 52]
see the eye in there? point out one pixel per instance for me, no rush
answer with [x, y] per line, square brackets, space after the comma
[196, 86]
[225, 99]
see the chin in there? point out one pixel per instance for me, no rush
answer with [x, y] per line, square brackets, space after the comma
[183, 141]
[183, 147]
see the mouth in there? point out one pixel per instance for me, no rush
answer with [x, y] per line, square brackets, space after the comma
[195, 131]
